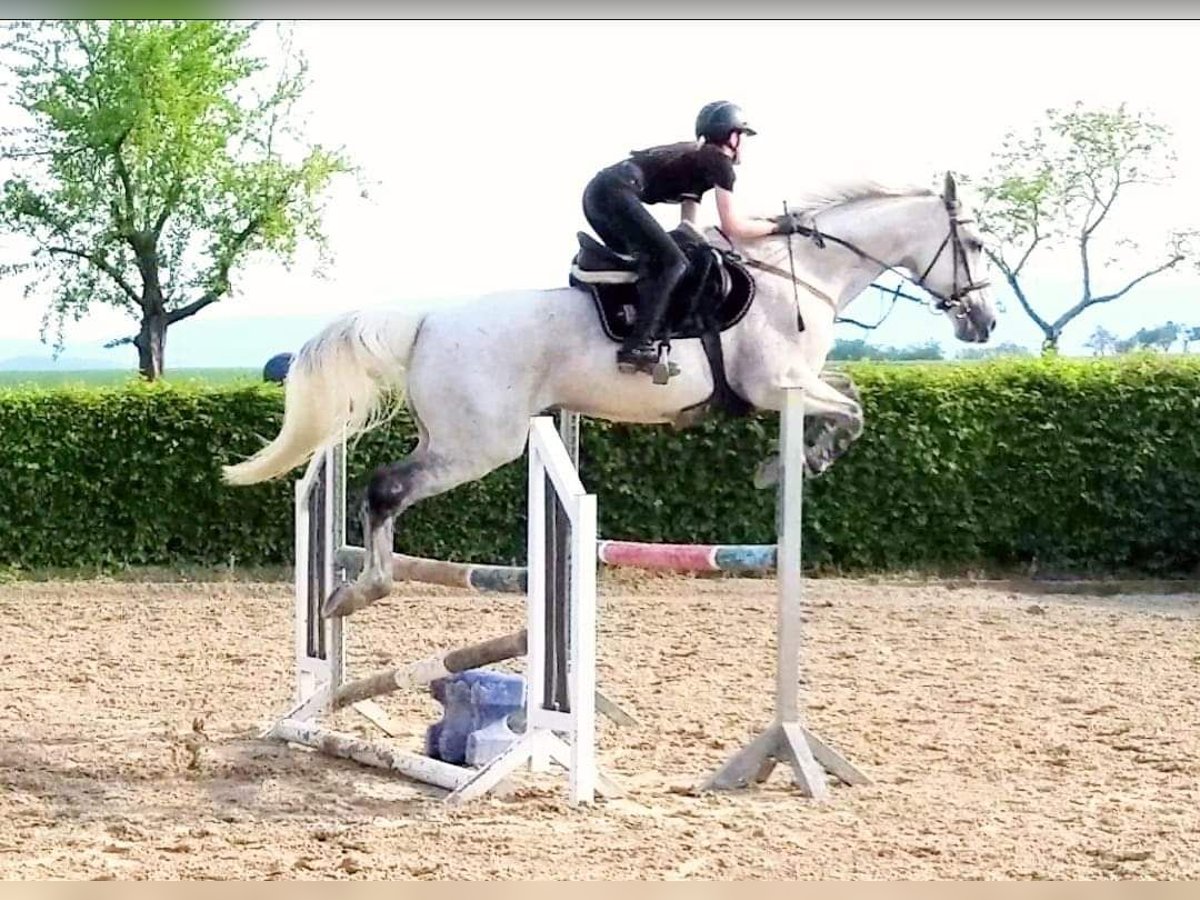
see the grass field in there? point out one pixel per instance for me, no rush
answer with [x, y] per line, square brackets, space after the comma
[100, 377]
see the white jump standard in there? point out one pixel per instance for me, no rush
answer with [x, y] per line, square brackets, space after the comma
[558, 641]
[787, 739]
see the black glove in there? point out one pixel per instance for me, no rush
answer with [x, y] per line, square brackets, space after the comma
[789, 224]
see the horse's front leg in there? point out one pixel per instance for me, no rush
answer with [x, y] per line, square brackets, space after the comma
[833, 435]
[833, 421]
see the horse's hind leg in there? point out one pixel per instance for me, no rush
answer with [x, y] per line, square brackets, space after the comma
[392, 489]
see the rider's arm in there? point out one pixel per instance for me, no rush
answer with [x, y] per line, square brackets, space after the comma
[736, 226]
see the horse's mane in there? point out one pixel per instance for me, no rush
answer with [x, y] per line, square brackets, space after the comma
[836, 194]
[814, 202]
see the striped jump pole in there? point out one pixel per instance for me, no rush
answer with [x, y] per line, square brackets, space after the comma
[688, 557]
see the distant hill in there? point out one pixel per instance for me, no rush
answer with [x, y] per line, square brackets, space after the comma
[200, 343]
[62, 364]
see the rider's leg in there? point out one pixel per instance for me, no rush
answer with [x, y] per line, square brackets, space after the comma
[663, 266]
[612, 208]
[602, 209]
[654, 295]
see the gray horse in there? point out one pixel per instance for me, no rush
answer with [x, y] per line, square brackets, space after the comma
[473, 373]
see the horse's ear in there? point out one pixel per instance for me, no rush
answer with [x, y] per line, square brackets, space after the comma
[951, 192]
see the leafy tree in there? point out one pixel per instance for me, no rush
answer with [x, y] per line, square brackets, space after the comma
[1189, 335]
[1101, 341]
[1162, 336]
[927, 350]
[844, 349]
[859, 349]
[1060, 184]
[159, 156]
[1006, 349]
[1165, 336]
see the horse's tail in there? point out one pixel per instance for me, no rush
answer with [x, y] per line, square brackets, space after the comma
[346, 380]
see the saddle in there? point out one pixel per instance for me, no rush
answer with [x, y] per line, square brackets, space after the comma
[712, 296]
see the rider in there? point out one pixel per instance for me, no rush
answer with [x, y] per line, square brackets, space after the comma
[672, 173]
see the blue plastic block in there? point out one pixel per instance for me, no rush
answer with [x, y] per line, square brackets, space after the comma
[474, 726]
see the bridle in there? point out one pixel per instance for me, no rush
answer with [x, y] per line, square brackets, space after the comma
[958, 299]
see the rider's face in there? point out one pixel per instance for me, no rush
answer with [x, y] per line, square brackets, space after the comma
[735, 144]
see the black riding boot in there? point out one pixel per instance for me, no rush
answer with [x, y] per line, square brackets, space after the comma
[639, 351]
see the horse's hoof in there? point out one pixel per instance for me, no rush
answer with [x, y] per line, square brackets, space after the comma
[345, 599]
[816, 463]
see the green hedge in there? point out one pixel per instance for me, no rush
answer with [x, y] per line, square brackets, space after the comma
[1079, 465]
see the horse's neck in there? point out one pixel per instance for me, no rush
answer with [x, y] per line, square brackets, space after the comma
[889, 229]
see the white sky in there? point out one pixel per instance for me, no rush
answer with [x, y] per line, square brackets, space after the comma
[480, 136]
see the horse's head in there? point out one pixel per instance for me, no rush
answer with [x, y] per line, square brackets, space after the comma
[914, 232]
[953, 276]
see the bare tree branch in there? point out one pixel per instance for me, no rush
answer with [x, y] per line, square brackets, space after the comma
[39, 154]
[1087, 269]
[1010, 275]
[192, 308]
[1175, 260]
[126, 184]
[169, 202]
[1092, 301]
[100, 263]
[1105, 206]
[1037, 237]
[220, 280]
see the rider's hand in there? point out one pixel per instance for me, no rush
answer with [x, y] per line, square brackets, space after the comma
[789, 224]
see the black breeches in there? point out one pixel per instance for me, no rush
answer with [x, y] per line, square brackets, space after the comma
[611, 206]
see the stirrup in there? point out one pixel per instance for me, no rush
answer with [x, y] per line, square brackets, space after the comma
[664, 370]
[636, 359]
[658, 367]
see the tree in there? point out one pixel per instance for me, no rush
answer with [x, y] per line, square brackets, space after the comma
[1006, 349]
[1190, 335]
[1101, 341]
[1161, 336]
[929, 350]
[1164, 336]
[1125, 345]
[160, 155]
[844, 349]
[1058, 186]
[858, 349]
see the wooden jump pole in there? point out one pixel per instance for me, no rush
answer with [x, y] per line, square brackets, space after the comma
[508, 646]
[441, 665]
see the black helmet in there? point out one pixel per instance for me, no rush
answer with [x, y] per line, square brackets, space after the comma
[717, 120]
